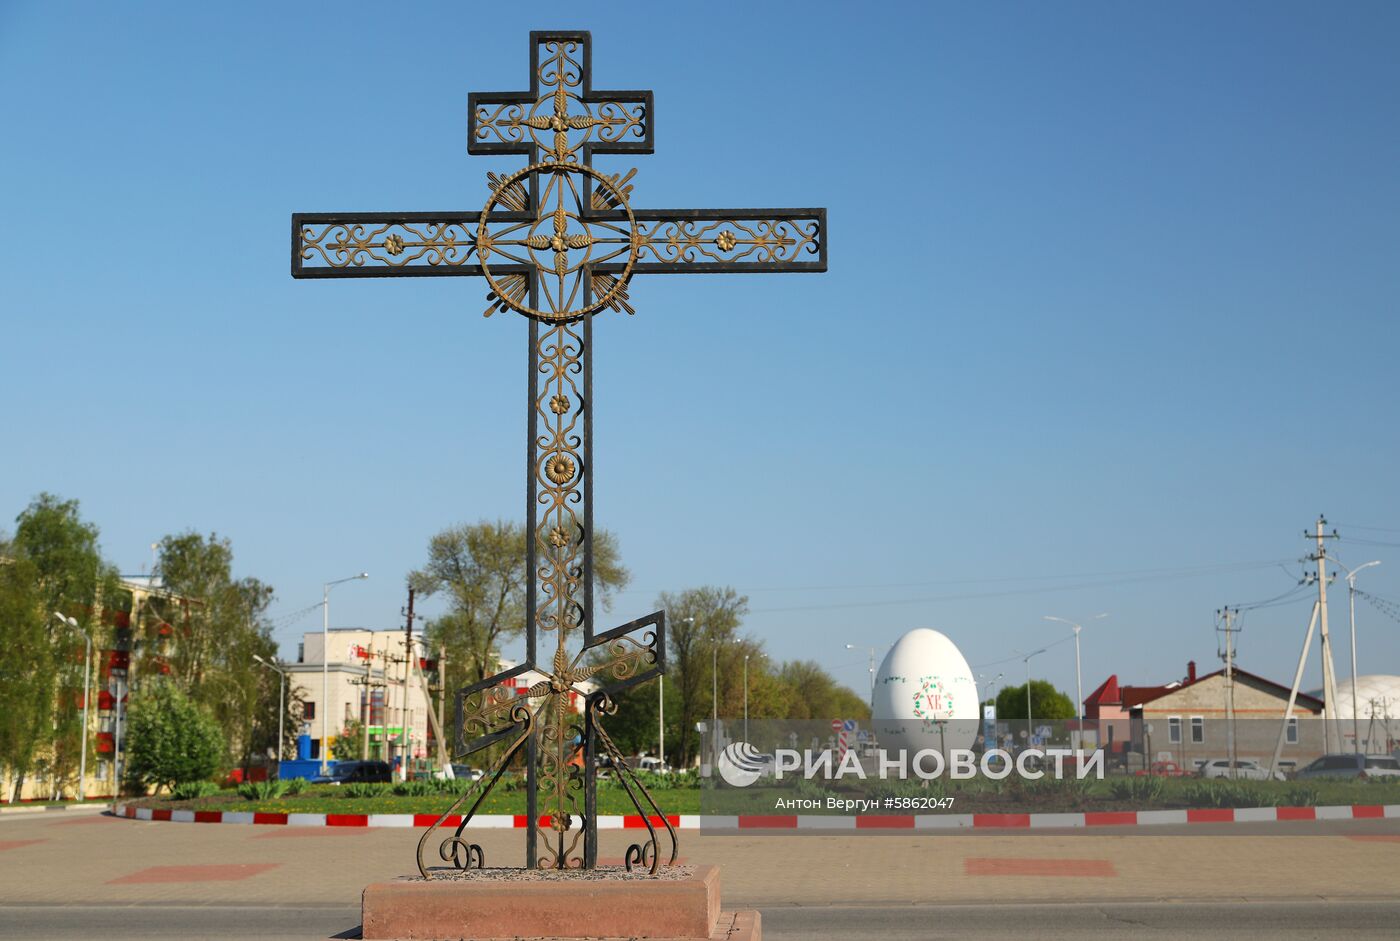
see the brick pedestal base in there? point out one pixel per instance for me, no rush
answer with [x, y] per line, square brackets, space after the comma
[487, 909]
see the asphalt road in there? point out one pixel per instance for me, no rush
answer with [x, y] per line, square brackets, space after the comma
[1357, 919]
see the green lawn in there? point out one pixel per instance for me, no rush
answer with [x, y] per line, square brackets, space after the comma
[331, 800]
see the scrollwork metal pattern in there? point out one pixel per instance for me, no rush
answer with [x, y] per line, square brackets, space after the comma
[560, 121]
[397, 245]
[463, 853]
[643, 854]
[762, 241]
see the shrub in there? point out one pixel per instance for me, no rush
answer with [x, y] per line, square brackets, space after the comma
[294, 786]
[1146, 789]
[416, 788]
[455, 786]
[262, 790]
[365, 789]
[1300, 795]
[172, 740]
[193, 790]
[1224, 793]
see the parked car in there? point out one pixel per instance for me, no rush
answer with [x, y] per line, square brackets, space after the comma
[1352, 766]
[461, 772]
[1246, 769]
[649, 763]
[1163, 769]
[353, 772]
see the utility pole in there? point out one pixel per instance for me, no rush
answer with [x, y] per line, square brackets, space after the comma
[432, 718]
[1293, 690]
[369, 684]
[1227, 615]
[1329, 678]
[442, 700]
[407, 669]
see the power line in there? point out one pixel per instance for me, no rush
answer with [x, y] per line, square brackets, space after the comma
[1384, 605]
[284, 619]
[967, 596]
[1020, 656]
[1165, 572]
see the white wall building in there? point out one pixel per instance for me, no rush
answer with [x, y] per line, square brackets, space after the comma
[365, 682]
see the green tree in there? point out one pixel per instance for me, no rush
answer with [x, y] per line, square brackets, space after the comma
[206, 633]
[171, 738]
[346, 746]
[697, 620]
[52, 565]
[26, 670]
[480, 567]
[815, 694]
[1047, 703]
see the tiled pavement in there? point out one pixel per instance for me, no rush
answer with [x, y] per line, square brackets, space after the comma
[105, 860]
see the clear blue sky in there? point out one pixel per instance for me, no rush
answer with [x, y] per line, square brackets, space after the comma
[1113, 288]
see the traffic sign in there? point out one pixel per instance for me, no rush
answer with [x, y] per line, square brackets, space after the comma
[835, 725]
[849, 725]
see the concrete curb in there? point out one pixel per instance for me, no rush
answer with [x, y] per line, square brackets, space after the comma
[1127, 818]
[91, 806]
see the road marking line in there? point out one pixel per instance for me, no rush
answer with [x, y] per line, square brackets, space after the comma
[223, 872]
[1018, 866]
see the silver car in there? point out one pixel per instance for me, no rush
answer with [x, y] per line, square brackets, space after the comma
[1246, 769]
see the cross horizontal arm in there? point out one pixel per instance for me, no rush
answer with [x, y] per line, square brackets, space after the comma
[389, 244]
[720, 241]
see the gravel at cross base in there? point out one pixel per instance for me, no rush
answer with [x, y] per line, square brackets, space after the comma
[601, 874]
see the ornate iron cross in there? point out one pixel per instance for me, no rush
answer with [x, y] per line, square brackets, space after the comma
[558, 241]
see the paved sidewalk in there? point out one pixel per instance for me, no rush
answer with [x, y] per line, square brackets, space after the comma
[96, 859]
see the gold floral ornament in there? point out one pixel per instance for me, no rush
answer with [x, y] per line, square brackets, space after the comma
[726, 241]
[560, 469]
[558, 538]
[559, 404]
[561, 245]
[394, 244]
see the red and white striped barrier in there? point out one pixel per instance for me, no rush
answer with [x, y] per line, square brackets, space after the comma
[1115, 818]
[486, 821]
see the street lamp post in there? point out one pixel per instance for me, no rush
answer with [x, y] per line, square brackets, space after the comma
[714, 704]
[993, 697]
[281, 705]
[326, 663]
[1029, 721]
[87, 694]
[1078, 679]
[872, 676]
[746, 697]
[1351, 598]
[122, 688]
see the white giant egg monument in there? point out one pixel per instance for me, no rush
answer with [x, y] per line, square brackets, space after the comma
[925, 696]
